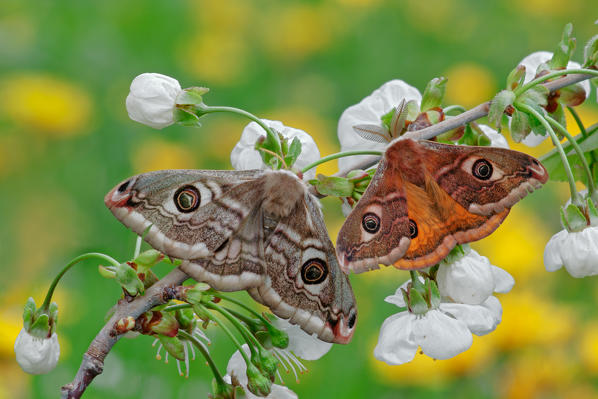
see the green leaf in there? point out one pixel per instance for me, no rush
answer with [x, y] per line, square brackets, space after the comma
[564, 49]
[293, 152]
[149, 258]
[417, 303]
[520, 126]
[192, 96]
[434, 294]
[185, 117]
[590, 52]
[535, 97]
[333, 186]
[469, 136]
[433, 94]
[516, 77]
[592, 212]
[41, 326]
[127, 277]
[575, 218]
[173, 345]
[497, 107]
[29, 313]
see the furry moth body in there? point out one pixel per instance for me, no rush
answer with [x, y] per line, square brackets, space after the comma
[259, 231]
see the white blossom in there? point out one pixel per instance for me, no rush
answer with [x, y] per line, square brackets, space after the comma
[152, 99]
[472, 279]
[576, 251]
[496, 139]
[238, 368]
[531, 63]
[244, 155]
[369, 111]
[441, 333]
[36, 355]
[306, 346]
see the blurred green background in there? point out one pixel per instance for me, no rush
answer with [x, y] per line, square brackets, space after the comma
[65, 140]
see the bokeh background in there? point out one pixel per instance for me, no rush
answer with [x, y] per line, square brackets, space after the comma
[65, 140]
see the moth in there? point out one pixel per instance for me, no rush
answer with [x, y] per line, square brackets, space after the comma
[256, 230]
[427, 197]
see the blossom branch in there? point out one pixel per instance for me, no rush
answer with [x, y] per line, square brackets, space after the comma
[93, 360]
[468, 116]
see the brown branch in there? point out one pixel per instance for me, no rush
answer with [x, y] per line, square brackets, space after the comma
[93, 360]
[462, 119]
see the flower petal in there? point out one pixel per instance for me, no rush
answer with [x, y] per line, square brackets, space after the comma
[237, 366]
[441, 336]
[369, 112]
[152, 98]
[244, 156]
[36, 355]
[579, 252]
[479, 319]
[467, 280]
[302, 344]
[395, 343]
[496, 139]
[503, 281]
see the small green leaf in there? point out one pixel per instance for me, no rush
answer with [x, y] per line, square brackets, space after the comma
[592, 212]
[535, 97]
[173, 345]
[334, 186]
[41, 326]
[520, 126]
[417, 303]
[564, 219]
[564, 49]
[516, 77]
[192, 96]
[469, 136]
[575, 218]
[127, 277]
[590, 52]
[185, 117]
[293, 152]
[29, 313]
[433, 94]
[434, 294]
[149, 258]
[497, 107]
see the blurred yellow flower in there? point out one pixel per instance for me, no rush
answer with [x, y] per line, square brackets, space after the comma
[469, 85]
[517, 245]
[222, 133]
[14, 383]
[10, 325]
[588, 347]
[158, 154]
[539, 374]
[547, 8]
[215, 57]
[45, 105]
[529, 319]
[293, 32]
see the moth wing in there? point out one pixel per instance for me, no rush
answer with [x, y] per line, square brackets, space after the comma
[224, 200]
[428, 200]
[304, 282]
[483, 180]
[385, 200]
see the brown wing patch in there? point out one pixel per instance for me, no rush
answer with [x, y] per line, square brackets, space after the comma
[441, 224]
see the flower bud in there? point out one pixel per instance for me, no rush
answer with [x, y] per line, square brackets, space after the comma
[257, 383]
[125, 324]
[127, 277]
[36, 355]
[173, 345]
[148, 259]
[151, 100]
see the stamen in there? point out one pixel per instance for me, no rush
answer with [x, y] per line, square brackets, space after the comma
[166, 361]
[178, 366]
[192, 351]
[185, 344]
[158, 356]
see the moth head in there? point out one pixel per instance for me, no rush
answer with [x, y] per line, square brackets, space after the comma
[120, 195]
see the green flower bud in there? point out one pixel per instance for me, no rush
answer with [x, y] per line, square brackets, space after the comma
[186, 318]
[127, 277]
[173, 345]
[222, 390]
[267, 363]
[124, 325]
[199, 293]
[164, 323]
[148, 259]
[433, 94]
[257, 383]
[279, 338]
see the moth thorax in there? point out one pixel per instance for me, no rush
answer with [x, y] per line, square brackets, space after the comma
[282, 191]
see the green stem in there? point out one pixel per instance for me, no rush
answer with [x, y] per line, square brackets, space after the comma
[241, 304]
[172, 308]
[583, 132]
[518, 91]
[578, 150]
[72, 263]
[458, 108]
[199, 345]
[240, 316]
[242, 328]
[574, 195]
[230, 334]
[339, 155]
[206, 109]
